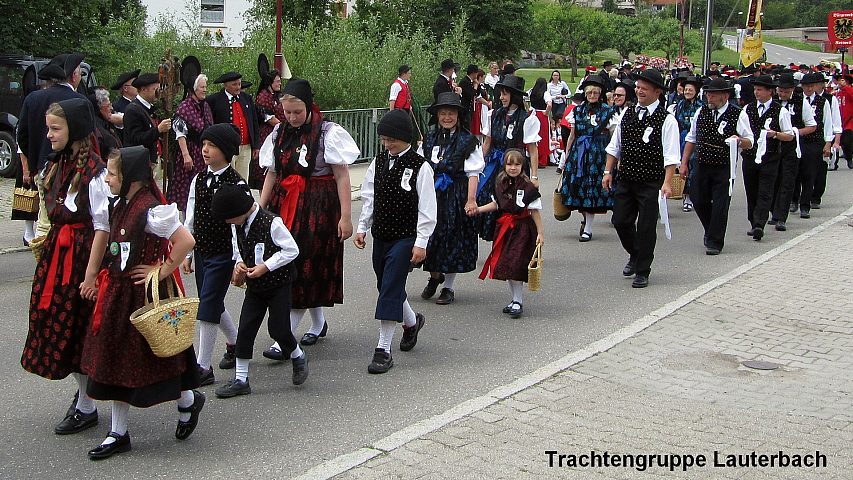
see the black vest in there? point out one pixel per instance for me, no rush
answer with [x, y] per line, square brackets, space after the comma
[756, 123]
[795, 108]
[641, 161]
[500, 128]
[395, 212]
[212, 237]
[453, 151]
[259, 233]
[711, 148]
[816, 137]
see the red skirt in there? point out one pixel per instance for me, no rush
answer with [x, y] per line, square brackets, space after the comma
[544, 145]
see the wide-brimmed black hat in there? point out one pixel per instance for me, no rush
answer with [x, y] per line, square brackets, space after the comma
[228, 77]
[244, 84]
[146, 79]
[61, 66]
[652, 76]
[512, 83]
[692, 80]
[813, 77]
[446, 100]
[718, 85]
[124, 78]
[787, 80]
[592, 80]
[190, 70]
[764, 81]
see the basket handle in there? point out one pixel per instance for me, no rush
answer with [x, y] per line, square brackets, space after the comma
[152, 284]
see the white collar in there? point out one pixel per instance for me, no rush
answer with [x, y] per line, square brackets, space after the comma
[650, 108]
[766, 104]
[401, 153]
[128, 99]
[143, 102]
[218, 172]
[66, 84]
[251, 218]
[402, 80]
[230, 96]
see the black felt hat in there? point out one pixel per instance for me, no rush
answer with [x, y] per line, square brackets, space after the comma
[512, 83]
[718, 85]
[61, 66]
[190, 70]
[396, 124]
[80, 116]
[448, 100]
[652, 76]
[135, 167]
[787, 80]
[231, 201]
[764, 81]
[813, 77]
[51, 72]
[146, 79]
[124, 78]
[594, 80]
[301, 89]
[244, 85]
[228, 77]
[225, 136]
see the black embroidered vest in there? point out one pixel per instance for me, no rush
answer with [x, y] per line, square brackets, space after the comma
[816, 137]
[506, 190]
[395, 212]
[452, 152]
[212, 237]
[259, 233]
[500, 129]
[711, 148]
[127, 224]
[795, 108]
[641, 161]
[55, 196]
[757, 123]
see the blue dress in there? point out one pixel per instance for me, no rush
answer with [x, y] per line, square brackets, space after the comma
[684, 112]
[581, 187]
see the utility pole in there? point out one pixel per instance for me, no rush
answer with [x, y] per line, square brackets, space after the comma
[278, 59]
[709, 26]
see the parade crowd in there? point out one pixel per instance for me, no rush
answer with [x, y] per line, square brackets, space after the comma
[428, 198]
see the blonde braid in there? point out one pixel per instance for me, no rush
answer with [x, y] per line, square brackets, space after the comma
[82, 160]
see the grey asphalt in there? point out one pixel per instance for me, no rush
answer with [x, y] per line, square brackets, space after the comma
[465, 350]
[785, 55]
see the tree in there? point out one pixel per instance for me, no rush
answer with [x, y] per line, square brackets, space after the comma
[498, 28]
[569, 28]
[625, 34]
[665, 34]
[609, 6]
[296, 12]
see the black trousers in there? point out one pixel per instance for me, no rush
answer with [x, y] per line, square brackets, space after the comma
[789, 165]
[812, 156]
[255, 306]
[711, 202]
[820, 179]
[759, 181]
[635, 216]
[847, 144]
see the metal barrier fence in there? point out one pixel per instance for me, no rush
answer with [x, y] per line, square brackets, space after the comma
[362, 123]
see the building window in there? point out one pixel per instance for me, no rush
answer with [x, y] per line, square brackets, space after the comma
[212, 11]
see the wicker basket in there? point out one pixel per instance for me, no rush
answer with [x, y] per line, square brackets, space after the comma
[25, 200]
[37, 246]
[534, 270]
[677, 186]
[168, 326]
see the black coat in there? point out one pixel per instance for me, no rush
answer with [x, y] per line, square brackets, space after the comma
[32, 131]
[221, 107]
[139, 129]
[441, 85]
[120, 104]
[468, 95]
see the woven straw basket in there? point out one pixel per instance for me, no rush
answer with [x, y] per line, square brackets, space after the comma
[677, 186]
[37, 246]
[25, 200]
[168, 326]
[534, 270]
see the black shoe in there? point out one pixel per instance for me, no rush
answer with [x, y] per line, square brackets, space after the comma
[640, 281]
[185, 429]
[630, 268]
[757, 234]
[121, 445]
[804, 213]
[560, 170]
[311, 339]
[816, 205]
[233, 388]
[516, 310]
[446, 297]
[382, 362]
[794, 207]
[750, 232]
[273, 354]
[77, 422]
[300, 369]
[850, 164]
[772, 221]
[781, 227]
[229, 360]
[73, 407]
[432, 286]
[585, 237]
[508, 308]
[205, 376]
[410, 334]
[712, 251]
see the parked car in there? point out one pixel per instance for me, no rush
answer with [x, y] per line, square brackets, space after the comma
[18, 78]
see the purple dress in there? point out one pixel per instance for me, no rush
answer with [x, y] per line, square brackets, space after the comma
[191, 118]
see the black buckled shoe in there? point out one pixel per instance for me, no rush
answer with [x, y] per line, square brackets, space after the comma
[516, 310]
[77, 422]
[310, 338]
[381, 363]
[300, 369]
[229, 360]
[274, 353]
[410, 334]
[780, 226]
[432, 286]
[640, 281]
[630, 268]
[804, 213]
[185, 429]
[508, 308]
[757, 234]
[446, 297]
[233, 388]
[120, 445]
[205, 376]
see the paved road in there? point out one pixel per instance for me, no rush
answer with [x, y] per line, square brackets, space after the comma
[465, 350]
[785, 55]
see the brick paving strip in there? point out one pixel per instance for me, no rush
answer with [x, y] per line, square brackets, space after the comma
[672, 382]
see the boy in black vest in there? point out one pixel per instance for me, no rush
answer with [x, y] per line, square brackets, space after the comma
[399, 207]
[213, 251]
[264, 251]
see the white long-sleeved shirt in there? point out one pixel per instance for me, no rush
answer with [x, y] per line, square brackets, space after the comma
[808, 114]
[743, 129]
[427, 206]
[280, 236]
[828, 133]
[669, 138]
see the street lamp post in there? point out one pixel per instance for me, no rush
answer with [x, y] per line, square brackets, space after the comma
[278, 59]
[709, 25]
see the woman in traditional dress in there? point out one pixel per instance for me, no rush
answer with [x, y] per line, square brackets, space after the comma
[586, 158]
[191, 118]
[117, 358]
[75, 197]
[684, 110]
[540, 101]
[270, 114]
[457, 161]
[482, 104]
[308, 185]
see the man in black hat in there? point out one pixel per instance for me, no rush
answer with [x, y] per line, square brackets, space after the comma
[608, 84]
[141, 127]
[646, 146]
[124, 84]
[803, 123]
[712, 183]
[31, 135]
[743, 85]
[770, 125]
[468, 94]
[444, 81]
[231, 105]
[815, 145]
